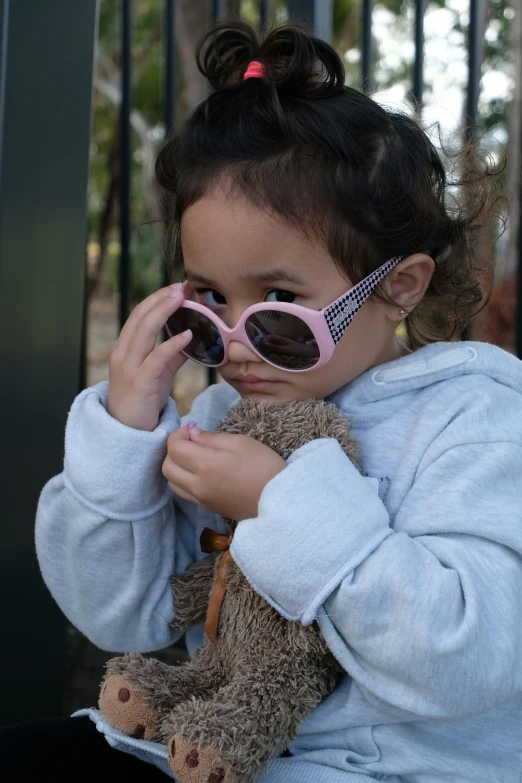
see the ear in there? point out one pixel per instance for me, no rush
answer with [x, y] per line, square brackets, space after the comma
[407, 284]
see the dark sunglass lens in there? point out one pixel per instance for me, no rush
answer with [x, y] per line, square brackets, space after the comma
[283, 339]
[207, 344]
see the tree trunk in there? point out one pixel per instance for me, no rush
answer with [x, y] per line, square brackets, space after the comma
[192, 20]
[96, 279]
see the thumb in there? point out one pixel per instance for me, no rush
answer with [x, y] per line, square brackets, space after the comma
[182, 433]
[211, 440]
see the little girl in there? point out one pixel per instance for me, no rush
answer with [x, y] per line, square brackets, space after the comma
[311, 223]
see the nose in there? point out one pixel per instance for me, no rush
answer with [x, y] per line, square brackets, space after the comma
[240, 353]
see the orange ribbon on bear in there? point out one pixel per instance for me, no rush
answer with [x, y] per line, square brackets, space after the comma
[212, 541]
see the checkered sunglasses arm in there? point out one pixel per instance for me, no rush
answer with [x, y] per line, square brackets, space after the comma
[341, 313]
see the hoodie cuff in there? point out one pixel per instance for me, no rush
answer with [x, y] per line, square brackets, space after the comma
[111, 468]
[318, 519]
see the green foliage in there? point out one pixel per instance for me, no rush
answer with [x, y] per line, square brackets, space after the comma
[147, 98]
[497, 45]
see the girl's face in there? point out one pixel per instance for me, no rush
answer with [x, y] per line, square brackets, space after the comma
[236, 255]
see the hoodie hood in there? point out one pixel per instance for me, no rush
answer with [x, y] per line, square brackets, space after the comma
[429, 365]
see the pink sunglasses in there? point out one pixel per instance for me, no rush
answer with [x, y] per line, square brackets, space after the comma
[288, 336]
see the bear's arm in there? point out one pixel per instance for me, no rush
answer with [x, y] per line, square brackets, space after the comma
[191, 592]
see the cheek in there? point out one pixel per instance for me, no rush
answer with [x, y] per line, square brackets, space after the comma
[338, 372]
[352, 356]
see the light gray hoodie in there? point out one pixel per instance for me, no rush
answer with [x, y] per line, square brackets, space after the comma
[412, 570]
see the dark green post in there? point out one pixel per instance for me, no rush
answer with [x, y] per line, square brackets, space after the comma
[46, 66]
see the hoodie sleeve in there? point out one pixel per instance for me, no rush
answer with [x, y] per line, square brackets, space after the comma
[109, 531]
[424, 613]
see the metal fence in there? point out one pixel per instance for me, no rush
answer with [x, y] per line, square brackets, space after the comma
[44, 144]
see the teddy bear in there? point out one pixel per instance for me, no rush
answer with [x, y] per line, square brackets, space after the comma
[241, 698]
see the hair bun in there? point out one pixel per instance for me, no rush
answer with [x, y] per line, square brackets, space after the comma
[300, 63]
[295, 61]
[224, 51]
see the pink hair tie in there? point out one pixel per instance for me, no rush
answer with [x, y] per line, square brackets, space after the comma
[255, 70]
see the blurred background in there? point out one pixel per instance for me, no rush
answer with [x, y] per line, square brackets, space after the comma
[87, 96]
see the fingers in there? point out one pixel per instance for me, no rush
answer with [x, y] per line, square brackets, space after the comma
[179, 478]
[138, 335]
[187, 454]
[193, 433]
[141, 375]
[167, 355]
[182, 494]
[221, 441]
[181, 432]
[194, 450]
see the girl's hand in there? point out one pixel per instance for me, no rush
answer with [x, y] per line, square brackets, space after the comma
[218, 471]
[140, 374]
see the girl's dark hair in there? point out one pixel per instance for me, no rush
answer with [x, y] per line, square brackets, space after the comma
[364, 180]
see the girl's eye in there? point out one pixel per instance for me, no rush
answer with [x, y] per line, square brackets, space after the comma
[211, 298]
[280, 296]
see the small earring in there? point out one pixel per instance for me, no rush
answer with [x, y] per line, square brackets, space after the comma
[402, 312]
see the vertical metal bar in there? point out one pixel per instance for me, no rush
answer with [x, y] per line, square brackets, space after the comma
[418, 65]
[82, 370]
[366, 46]
[263, 15]
[317, 14]
[4, 27]
[474, 67]
[217, 10]
[169, 98]
[302, 10]
[170, 64]
[518, 337]
[217, 13]
[472, 94]
[44, 72]
[125, 160]
[323, 19]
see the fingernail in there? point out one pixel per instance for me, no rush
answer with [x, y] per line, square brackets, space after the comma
[194, 431]
[176, 289]
[186, 333]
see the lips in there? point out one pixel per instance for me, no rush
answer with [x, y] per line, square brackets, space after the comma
[250, 379]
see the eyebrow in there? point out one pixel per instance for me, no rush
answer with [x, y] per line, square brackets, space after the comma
[267, 276]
